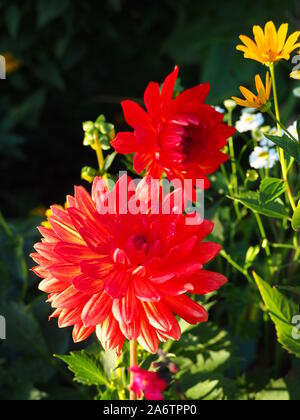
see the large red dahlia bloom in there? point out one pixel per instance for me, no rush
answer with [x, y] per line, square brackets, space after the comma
[121, 274]
[181, 137]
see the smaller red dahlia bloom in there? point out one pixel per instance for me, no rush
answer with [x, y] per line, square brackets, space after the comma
[148, 383]
[181, 137]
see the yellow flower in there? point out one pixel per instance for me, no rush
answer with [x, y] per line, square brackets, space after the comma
[270, 46]
[295, 74]
[12, 64]
[260, 100]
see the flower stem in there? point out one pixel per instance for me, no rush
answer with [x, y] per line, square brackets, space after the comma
[284, 128]
[121, 391]
[233, 167]
[133, 362]
[234, 264]
[265, 242]
[281, 152]
[99, 153]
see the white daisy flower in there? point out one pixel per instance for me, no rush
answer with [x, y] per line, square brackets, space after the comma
[293, 130]
[263, 157]
[249, 121]
[266, 142]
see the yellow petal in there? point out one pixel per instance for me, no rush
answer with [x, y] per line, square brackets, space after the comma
[241, 102]
[268, 85]
[259, 37]
[271, 36]
[290, 43]
[295, 75]
[247, 94]
[282, 33]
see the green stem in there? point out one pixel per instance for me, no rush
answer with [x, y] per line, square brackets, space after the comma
[234, 169]
[284, 128]
[265, 242]
[133, 362]
[234, 264]
[281, 152]
[5, 226]
[121, 391]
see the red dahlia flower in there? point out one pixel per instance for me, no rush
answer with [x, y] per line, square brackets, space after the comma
[124, 275]
[148, 383]
[181, 137]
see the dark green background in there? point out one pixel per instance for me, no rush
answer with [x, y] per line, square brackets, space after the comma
[80, 58]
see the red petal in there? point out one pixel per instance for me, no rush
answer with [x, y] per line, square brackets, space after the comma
[132, 330]
[206, 282]
[84, 202]
[141, 161]
[74, 253]
[125, 143]
[117, 283]
[152, 98]
[207, 251]
[134, 114]
[159, 315]
[196, 94]
[69, 299]
[145, 290]
[187, 309]
[96, 310]
[169, 85]
[80, 333]
[52, 285]
[148, 337]
[127, 309]
[89, 285]
[68, 317]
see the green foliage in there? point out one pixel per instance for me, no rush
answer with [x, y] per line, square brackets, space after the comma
[290, 147]
[86, 368]
[296, 218]
[281, 311]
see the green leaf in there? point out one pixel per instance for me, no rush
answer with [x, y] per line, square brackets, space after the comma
[49, 10]
[290, 147]
[252, 200]
[86, 368]
[270, 189]
[23, 331]
[12, 19]
[298, 126]
[275, 391]
[282, 312]
[296, 218]
[109, 161]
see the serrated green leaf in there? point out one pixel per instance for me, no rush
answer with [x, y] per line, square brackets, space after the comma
[86, 368]
[252, 200]
[282, 312]
[290, 147]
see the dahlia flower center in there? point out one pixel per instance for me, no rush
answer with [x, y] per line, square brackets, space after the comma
[186, 143]
[139, 242]
[137, 247]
